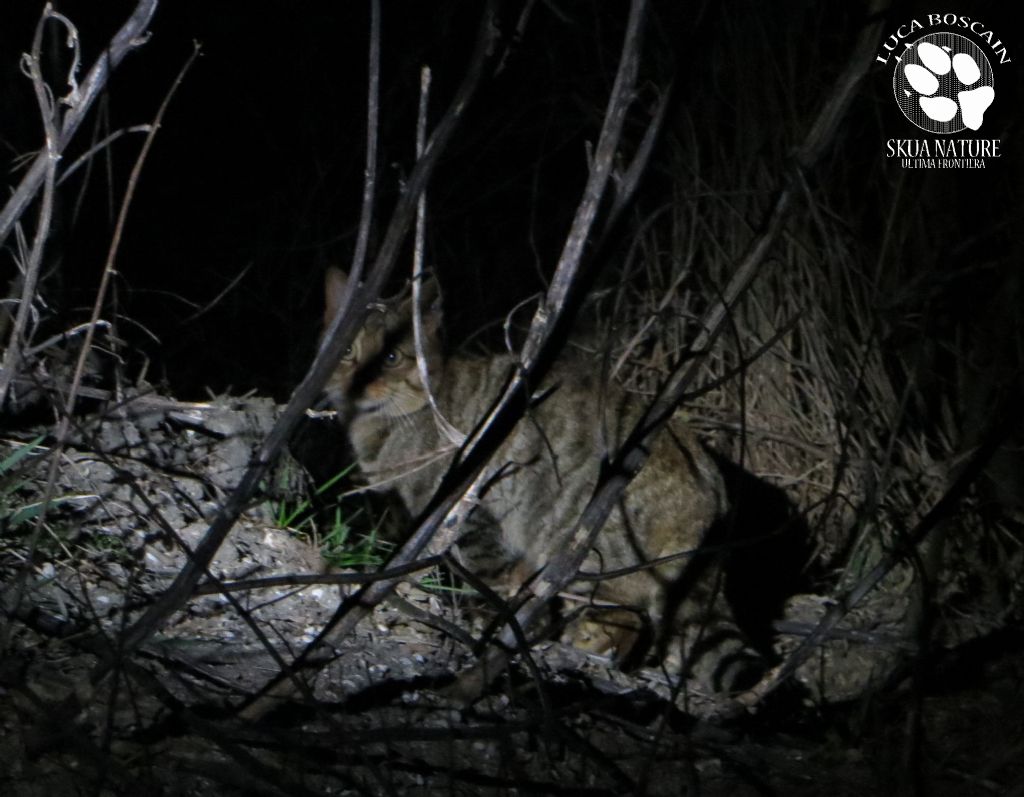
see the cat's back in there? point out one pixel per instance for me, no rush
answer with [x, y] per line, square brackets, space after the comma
[552, 461]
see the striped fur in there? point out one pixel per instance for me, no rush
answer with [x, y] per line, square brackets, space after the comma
[544, 475]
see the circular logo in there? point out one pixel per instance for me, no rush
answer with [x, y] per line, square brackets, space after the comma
[944, 83]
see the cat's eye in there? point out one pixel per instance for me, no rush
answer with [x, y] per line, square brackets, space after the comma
[392, 358]
[348, 354]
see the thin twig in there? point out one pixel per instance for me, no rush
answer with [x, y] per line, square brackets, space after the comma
[372, 134]
[49, 112]
[131, 35]
[940, 511]
[100, 145]
[108, 272]
[454, 498]
[216, 299]
[635, 451]
[449, 432]
[306, 580]
[339, 334]
[108, 266]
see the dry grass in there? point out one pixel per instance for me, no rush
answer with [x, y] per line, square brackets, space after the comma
[850, 375]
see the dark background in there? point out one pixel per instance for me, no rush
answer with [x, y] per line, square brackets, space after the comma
[258, 165]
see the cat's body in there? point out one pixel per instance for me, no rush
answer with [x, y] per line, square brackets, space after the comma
[546, 472]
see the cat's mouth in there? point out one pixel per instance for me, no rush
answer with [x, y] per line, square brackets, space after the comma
[366, 404]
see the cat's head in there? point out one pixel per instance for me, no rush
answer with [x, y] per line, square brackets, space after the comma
[378, 373]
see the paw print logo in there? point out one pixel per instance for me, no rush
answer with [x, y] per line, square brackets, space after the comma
[944, 83]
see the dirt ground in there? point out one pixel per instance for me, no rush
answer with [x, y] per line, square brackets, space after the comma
[378, 712]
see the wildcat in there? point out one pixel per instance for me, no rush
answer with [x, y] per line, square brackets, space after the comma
[546, 471]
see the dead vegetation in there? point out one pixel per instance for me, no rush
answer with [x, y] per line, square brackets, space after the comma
[164, 631]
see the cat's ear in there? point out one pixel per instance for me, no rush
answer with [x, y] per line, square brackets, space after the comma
[335, 281]
[430, 298]
[430, 295]
[430, 301]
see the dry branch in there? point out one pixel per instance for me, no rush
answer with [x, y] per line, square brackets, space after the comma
[634, 452]
[943, 509]
[339, 334]
[58, 134]
[64, 424]
[131, 35]
[49, 156]
[453, 500]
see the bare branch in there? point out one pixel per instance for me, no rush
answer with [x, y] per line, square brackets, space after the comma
[338, 335]
[48, 157]
[453, 435]
[939, 513]
[634, 452]
[372, 134]
[131, 35]
[90, 329]
[454, 498]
